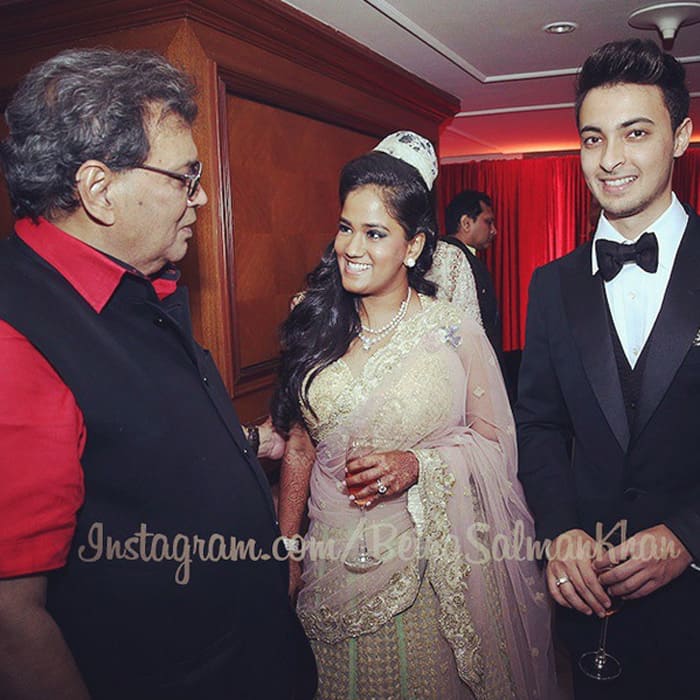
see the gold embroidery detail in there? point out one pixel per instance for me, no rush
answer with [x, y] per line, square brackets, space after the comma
[448, 569]
[453, 275]
[498, 681]
[325, 623]
[376, 665]
[411, 408]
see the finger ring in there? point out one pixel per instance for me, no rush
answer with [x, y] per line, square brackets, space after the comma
[562, 580]
[381, 488]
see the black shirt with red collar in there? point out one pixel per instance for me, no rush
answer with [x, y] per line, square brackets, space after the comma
[147, 580]
[38, 510]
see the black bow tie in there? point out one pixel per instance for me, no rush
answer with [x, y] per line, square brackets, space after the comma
[612, 256]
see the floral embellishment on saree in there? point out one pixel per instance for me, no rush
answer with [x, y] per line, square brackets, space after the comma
[448, 335]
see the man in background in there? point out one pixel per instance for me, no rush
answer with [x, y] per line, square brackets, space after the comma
[608, 425]
[126, 478]
[462, 277]
[471, 226]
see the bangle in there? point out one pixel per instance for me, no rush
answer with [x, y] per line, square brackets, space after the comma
[292, 544]
[252, 434]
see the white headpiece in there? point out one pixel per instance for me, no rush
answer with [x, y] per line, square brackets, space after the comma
[414, 150]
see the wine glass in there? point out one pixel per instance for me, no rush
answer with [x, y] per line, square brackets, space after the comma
[361, 561]
[599, 664]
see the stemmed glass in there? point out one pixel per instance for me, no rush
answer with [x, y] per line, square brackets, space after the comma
[599, 664]
[361, 561]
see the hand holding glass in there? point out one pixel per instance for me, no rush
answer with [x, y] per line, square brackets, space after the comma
[599, 664]
[362, 560]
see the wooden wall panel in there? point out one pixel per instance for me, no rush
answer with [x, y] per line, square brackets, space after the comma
[20, 55]
[206, 267]
[29, 50]
[370, 107]
[284, 179]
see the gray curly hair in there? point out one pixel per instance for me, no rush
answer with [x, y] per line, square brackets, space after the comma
[80, 105]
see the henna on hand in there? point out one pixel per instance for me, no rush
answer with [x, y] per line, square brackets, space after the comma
[397, 471]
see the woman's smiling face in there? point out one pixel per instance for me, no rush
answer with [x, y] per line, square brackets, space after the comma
[371, 246]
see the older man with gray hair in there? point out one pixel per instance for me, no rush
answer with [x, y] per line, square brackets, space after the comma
[138, 539]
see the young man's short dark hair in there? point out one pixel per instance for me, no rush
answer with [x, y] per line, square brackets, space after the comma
[640, 62]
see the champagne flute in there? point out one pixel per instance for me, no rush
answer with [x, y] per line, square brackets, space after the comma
[599, 664]
[361, 561]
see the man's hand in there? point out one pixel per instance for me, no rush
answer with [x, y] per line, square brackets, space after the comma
[645, 562]
[571, 564]
[397, 471]
[271, 442]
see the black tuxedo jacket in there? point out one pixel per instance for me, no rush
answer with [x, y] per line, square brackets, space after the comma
[580, 460]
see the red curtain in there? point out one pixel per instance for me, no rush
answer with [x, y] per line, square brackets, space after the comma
[686, 177]
[542, 208]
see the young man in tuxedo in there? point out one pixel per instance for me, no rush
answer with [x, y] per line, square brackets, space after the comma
[609, 433]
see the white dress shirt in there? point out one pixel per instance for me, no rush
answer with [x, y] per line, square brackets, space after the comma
[634, 295]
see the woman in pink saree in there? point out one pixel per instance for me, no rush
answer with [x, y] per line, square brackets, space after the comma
[403, 398]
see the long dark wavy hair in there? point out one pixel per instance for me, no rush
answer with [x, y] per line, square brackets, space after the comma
[321, 327]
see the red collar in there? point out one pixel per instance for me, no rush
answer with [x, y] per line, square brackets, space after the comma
[94, 275]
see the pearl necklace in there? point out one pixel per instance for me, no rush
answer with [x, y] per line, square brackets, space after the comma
[379, 334]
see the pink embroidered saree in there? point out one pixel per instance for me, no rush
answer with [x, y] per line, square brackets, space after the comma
[463, 530]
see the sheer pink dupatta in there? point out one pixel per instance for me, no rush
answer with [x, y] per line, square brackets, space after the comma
[491, 552]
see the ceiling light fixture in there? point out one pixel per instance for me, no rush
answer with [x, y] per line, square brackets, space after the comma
[667, 17]
[560, 27]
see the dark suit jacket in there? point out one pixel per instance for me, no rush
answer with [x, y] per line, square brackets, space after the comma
[580, 460]
[488, 304]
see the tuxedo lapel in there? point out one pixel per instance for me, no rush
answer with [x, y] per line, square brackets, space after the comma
[675, 327]
[586, 309]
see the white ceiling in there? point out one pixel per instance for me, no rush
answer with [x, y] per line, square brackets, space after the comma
[514, 81]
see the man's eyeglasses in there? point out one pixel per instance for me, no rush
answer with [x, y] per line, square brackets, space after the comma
[191, 180]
